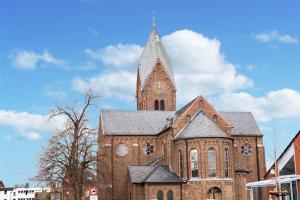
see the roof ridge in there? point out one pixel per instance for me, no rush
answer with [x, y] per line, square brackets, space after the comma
[192, 121]
[151, 172]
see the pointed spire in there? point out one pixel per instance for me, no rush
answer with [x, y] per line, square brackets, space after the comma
[153, 19]
[154, 51]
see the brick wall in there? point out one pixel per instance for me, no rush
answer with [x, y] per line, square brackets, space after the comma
[112, 177]
[198, 190]
[197, 105]
[202, 145]
[152, 189]
[147, 95]
[240, 186]
[254, 162]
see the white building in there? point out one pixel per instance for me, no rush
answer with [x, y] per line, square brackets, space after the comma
[20, 193]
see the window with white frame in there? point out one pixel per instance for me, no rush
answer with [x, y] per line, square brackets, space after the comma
[212, 167]
[194, 163]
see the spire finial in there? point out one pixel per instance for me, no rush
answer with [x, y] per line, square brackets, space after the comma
[153, 19]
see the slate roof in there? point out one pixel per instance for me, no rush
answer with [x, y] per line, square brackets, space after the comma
[243, 123]
[6, 189]
[148, 122]
[153, 51]
[153, 174]
[140, 122]
[239, 168]
[201, 126]
[184, 108]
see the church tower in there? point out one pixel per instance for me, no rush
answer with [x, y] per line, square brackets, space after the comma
[155, 87]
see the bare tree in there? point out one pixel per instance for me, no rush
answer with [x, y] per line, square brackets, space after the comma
[70, 151]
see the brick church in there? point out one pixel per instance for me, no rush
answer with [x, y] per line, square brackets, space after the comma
[158, 152]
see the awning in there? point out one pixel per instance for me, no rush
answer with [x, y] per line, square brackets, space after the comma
[270, 182]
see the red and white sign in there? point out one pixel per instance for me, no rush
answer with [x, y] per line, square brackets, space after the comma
[93, 191]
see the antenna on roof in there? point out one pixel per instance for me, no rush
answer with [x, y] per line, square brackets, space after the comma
[153, 19]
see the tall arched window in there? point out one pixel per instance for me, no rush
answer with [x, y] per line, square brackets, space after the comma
[194, 163]
[180, 163]
[160, 195]
[156, 105]
[212, 167]
[170, 195]
[215, 118]
[188, 118]
[162, 105]
[226, 163]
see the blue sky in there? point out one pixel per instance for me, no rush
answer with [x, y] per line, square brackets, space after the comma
[243, 56]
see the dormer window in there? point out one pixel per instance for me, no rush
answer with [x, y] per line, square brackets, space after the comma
[188, 118]
[215, 118]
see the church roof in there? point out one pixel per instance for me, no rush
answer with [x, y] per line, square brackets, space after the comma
[239, 168]
[153, 51]
[243, 123]
[148, 122]
[140, 122]
[153, 174]
[201, 126]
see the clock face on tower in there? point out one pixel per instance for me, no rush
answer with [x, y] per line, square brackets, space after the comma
[159, 87]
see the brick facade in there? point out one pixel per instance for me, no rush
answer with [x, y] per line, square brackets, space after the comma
[113, 176]
[147, 95]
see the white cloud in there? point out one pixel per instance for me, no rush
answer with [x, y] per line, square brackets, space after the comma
[275, 36]
[197, 61]
[278, 104]
[119, 55]
[28, 60]
[118, 84]
[29, 125]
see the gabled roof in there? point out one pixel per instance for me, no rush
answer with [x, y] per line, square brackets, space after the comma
[6, 189]
[239, 168]
[151, 122]
[153, 174]
[284, 151]
[147, 122]
[243, 123]
[140, 122]
[153, 52]
[201, 126]
[184, 108]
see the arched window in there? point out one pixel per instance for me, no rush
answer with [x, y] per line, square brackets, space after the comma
[188, 118]
[194, 163]
[162, 105]
[212, 167]
[160, 195]
[226, 163]
[215, 118]
[156, 105]
[180, 163]
[170, 195]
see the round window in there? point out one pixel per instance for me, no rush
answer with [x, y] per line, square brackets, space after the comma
[122, 149]
[148, 149]
[246, 149]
